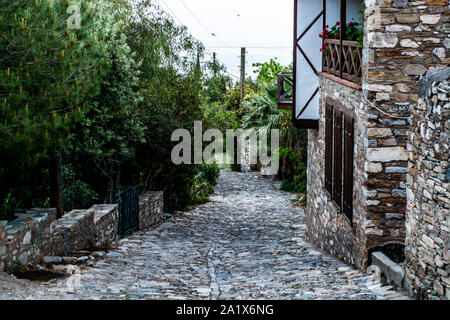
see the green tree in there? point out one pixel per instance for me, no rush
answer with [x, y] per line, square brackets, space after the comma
[263, 109]
[268, 71]
[48, 74]
[216, 83]
[113, 128]
[170, 84]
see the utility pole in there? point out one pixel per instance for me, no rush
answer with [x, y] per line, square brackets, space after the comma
[215, 64]
[237, 153]
[242, 75]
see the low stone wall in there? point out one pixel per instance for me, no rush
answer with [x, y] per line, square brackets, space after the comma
[151, 209]
[36, 233]
[428, 188]
[77, 229]
[106, 220]
[29, 237]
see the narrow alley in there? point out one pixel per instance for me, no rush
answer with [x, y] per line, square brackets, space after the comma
[247, 243]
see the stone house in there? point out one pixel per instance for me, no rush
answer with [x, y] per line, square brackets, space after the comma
[356, 98]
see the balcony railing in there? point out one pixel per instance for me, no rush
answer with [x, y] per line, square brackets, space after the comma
[285, 90]
[345, 65]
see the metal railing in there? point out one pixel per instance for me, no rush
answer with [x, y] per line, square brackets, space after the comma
[128, 201]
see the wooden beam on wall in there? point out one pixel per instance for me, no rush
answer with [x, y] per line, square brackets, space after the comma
[342, 35]
[324, 8]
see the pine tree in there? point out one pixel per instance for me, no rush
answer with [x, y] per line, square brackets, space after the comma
[48, 73]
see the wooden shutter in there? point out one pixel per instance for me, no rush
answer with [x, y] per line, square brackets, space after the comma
[348, 165]
[337, 159]
[329, 148]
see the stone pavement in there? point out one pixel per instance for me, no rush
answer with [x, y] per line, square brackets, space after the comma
[247, 243]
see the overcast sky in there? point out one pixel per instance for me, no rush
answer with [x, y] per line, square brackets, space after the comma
[263, 26]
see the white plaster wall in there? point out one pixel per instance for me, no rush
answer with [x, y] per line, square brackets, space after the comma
[307, 80]
[353, 8]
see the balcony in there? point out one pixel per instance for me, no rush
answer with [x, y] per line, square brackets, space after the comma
[340, 65]
[285, 91]
[344, 64]
[328, 38]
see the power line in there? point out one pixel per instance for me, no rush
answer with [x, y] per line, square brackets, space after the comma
[262, 47]
[171, 12]
[204, 26]
[232, 75]
[214, 35]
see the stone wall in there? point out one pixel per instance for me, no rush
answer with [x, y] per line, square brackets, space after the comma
[151, 209]
[327, 227]
[428, 210]
[402, 40]
[29, 237]
[36, 233]
[106, 221]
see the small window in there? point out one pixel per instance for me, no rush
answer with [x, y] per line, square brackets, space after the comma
[339, 157]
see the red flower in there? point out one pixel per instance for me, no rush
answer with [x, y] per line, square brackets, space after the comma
[338, 23]
[351, 24]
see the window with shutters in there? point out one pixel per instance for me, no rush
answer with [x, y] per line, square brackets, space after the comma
[339, 157]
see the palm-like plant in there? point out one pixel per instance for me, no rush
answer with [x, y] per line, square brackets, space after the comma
[263, 110]
[264, 114]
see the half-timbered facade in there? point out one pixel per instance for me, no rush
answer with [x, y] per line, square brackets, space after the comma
[355, 96]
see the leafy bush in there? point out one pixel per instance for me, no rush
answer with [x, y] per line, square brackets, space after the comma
[77, 194]
[204, 183]
[200, 189]
[296, 185]
[289, 185]
[211, 173]
[8, 205]
[217, 116]
[297, 172]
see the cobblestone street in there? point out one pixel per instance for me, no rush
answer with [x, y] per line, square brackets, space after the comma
[247, 243]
